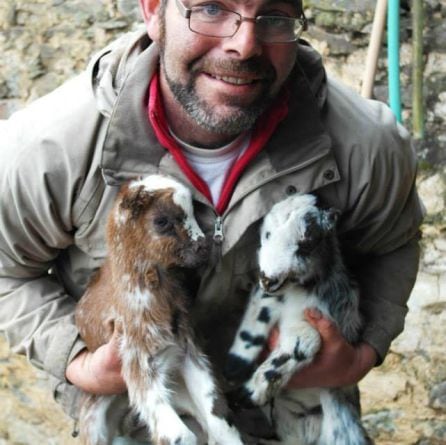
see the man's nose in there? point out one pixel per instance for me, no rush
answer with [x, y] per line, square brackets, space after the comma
[244, 42]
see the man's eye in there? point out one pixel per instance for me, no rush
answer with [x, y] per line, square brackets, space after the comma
[211, 10]
[305, 247]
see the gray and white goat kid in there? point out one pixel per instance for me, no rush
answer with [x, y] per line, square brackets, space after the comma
[153, 240]
[300, 267]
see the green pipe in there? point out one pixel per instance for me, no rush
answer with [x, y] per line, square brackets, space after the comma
[417, 69]
[393, 56]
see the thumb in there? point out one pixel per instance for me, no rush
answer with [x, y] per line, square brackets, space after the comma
[108, 355]
[327, 329]
[115, 339]
[273, 338]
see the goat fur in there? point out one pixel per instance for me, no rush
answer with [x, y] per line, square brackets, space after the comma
[300, 267]
[152, 237]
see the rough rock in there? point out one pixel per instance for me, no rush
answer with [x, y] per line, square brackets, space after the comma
[432, 192]
[438, 397]
[28, 413]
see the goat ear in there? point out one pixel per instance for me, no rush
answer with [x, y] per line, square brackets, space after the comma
[152, 278]
[135, 200]
[329, 219]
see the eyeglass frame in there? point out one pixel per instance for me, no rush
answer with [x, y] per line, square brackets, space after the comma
[187, 12]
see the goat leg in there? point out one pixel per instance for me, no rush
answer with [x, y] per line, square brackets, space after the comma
[260, 316]
[94, 428]
[148, 377]
[296, 349]
[211, 406]
[341, 424]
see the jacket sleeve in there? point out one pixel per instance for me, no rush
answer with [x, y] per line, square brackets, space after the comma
[35, 312]
[381, 229]
[386, 282]
[38, 182]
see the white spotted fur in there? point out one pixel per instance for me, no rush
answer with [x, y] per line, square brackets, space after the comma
[181, 197]
[165, 372]
[300, 267]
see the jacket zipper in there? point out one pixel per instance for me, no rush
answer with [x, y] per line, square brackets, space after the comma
[218, 230]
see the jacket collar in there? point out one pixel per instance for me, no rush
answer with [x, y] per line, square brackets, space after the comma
[302, 135]
[131, 148]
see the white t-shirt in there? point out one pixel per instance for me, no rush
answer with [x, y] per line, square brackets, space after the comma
[213, 165]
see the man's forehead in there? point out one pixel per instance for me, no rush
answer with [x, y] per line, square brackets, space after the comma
[265, 2]
[262, 3]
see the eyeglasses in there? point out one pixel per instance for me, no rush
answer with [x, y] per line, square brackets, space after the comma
[214, 21]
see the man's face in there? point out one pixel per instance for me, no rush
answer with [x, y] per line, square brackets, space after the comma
[223, 84]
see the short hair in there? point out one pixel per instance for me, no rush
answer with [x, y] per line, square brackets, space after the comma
[163, 4]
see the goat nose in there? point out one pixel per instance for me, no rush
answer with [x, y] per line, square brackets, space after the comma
[268, 283]
[201, 245]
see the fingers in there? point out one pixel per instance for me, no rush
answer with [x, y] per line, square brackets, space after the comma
[107, 356]
[112, 350]
[103, 372]
[326, 328]
[271, 343]
[273, 338]
[98, 372]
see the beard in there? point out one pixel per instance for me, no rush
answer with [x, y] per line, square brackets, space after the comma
[241, 118]
[237, 116]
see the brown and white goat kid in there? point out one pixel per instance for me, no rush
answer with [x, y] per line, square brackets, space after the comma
[152, 237]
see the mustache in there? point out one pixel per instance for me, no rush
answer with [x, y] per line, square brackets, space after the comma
[255, 67]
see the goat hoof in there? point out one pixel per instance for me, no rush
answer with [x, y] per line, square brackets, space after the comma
[186, 439]
[240, 398]
[237, 368]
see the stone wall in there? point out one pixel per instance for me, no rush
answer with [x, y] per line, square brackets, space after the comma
[404, 400]
[44, 42]
[341, 30]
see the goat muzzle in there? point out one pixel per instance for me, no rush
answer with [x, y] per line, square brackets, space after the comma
[196, 253]
[270, 284]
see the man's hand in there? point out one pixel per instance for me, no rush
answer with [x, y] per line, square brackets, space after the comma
[98, 372]
[337, 363]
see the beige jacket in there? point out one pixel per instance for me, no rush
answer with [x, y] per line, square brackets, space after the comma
[62, 157]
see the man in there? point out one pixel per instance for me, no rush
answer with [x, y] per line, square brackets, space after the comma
[223, 97]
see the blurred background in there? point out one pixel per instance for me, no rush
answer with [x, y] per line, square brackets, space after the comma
[44, 42]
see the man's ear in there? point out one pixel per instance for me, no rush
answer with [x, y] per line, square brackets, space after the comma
[150, 10]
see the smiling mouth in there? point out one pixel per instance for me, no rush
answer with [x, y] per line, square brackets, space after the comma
[234, 80]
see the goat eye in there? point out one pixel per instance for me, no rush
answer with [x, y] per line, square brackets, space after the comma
[304, 248]
[267, 235]
[161, 222]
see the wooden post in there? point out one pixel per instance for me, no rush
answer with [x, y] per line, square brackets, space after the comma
[379, 24]
[417, 69]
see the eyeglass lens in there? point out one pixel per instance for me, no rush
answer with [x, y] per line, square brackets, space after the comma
[211, 20]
